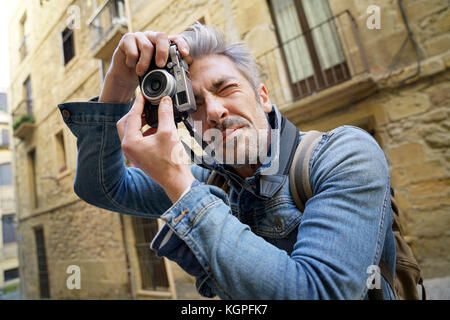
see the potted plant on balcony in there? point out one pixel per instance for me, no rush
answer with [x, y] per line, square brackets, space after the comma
[23, 126]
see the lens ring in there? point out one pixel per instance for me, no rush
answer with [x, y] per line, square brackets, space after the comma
[162, 81]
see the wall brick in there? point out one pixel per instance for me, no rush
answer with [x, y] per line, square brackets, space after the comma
[425, 224]
[402, 107]
[408, 153]
[442, 23]
[425, 170]
[438, 44]
[440, 93]
[438, 187]
[419, 9]
[436, 115]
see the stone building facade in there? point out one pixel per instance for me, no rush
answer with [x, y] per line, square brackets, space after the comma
[9, 262]
[382, 65]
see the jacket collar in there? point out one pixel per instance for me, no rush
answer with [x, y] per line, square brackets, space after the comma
[273, 173]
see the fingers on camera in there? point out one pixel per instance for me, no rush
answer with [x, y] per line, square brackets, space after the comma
[129, 47]
[139, 48]
[162, 49]
[146, 52]
[183, 47]
[161, 44]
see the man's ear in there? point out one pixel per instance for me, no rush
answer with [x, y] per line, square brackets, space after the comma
[264, 98]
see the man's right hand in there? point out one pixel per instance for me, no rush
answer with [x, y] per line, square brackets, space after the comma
[132, 58]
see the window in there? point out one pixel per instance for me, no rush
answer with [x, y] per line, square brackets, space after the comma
[27, 95]
[32, 178]
[23, 32]
[311, 46]
[44, 286]
[60, 152]
[6, 174]
[11, 274]
[5, 138]
[68, 45]
[3, 102]
[153, 270]
[8, 228]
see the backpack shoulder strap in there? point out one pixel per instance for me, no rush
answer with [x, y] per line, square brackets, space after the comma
[299, 171]
[218, 180]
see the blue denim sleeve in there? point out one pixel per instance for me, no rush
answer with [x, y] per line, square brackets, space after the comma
[102, 179]
[340, 235]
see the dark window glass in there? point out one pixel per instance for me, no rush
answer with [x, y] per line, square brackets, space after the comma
[28, 95]
[11, 274]
[61, 152]
[3, 102]
[32, 177]
[44, 286]
[68, 45]
[153, 271]
[5, 138]
[8, 229]
[6, 174]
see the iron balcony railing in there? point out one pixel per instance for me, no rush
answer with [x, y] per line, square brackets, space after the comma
[108, 16]
[288, 70]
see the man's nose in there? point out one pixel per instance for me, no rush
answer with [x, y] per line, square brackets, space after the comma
[216, 111]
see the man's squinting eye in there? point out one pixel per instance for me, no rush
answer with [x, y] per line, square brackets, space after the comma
[228, 88]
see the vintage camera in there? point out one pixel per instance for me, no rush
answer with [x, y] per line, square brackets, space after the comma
[172, 81]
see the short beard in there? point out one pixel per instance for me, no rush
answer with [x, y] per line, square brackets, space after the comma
[255, 144]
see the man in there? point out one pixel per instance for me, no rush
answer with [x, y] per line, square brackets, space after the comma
[252, 243]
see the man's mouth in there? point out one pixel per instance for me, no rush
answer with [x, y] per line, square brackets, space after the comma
[229, 132]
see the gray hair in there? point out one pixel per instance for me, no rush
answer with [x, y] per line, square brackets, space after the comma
[205, 40]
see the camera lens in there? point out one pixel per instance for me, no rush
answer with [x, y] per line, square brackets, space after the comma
[157, 84]
[154, 83]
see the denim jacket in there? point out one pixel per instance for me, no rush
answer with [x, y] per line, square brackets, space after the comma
[252, 243]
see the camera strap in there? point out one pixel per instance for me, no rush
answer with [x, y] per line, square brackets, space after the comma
[203, 161]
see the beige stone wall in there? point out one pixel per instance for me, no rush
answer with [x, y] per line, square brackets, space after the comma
[75, 232]
[8, 252]
[411, 124]
[408, 120]
[82, 235]
[419, 140]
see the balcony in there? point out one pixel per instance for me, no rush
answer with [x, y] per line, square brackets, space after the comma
[23, 119]
[305, 86]
[106, 28]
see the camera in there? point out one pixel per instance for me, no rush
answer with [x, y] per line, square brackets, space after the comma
[173, 81]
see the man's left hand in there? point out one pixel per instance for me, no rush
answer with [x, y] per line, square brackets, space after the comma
[157, 152]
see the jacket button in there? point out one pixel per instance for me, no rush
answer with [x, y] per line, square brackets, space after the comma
[65, 113]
